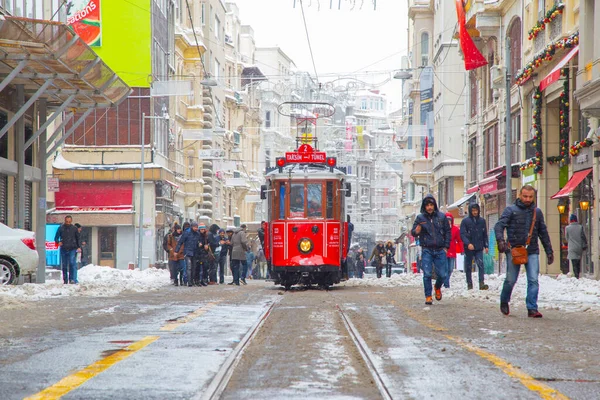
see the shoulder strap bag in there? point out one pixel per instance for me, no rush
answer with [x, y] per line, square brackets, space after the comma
[519, 253]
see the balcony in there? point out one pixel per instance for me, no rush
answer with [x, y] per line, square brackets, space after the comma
[419, 7]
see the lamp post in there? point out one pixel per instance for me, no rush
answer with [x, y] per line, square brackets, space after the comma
[141, 210]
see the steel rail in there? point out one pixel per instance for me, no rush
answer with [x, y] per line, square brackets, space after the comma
[221, 379]
[366, 355]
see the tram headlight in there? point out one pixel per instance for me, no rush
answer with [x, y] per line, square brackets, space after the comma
[305, 245]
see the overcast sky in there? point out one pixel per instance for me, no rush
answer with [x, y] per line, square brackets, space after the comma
[345, 41]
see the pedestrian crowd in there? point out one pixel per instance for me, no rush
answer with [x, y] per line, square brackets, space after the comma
[440, 241]
[198, 256]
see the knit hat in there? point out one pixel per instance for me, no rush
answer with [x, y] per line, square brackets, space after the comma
[221, 231]
[573, 218]
[176, 227]
[194, 224]
[201, 226]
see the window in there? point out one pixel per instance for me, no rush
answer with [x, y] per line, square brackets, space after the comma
[514, 34]
[330, 195]
[541, 8]
[491, 147]
[363, 104]
[315, 198]
[203, 14]
[216, 70]
[3, 139]
[217, 27]
[424, 49]
[472, 161]
[268, 119]
[584, 128]
[515, 141]
[491, 56]
[474, 88]
[29, 151]
[297, 203]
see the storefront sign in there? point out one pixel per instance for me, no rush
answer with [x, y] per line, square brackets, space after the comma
[52, 184]
[315, 157]
[529, 176]
[488, 187]
[84, 17]
[95, 197]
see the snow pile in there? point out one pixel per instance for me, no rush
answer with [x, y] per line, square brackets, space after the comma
[559, 293]
[94, 281]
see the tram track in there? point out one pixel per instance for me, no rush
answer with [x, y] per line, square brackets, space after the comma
[219, 383]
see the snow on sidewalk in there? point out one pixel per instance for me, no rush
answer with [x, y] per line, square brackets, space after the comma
[94, 281]
[559, 293]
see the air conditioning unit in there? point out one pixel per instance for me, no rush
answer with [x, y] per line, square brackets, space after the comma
[497, 76]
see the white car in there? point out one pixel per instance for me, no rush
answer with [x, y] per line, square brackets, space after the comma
[18, 255]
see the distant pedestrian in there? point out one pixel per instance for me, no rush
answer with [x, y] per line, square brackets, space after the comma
[524, 225]
[434, 234]
[225, 250]
[474, 235]
[190, 240]
[360, 263]
[250, 262]
[83, 254]
[576, 242]
[456, 247]
[239, 243]
[202, 252]
[176, 259]
[212, 262]
[67, 238]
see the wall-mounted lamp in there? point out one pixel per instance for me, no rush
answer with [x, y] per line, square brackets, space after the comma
[584, 204]
[562, 205]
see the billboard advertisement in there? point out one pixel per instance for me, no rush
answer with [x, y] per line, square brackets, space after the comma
[84, 17]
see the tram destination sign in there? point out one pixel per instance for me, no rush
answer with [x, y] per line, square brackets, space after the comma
[318, 157]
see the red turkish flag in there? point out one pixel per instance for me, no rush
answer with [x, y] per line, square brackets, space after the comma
[473, 58]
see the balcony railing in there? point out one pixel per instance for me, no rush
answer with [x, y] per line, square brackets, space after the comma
[556, 27]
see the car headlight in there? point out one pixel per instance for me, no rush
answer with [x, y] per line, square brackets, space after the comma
[305, 245]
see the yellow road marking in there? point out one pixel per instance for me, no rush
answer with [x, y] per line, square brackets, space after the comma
[545, 391]
[172, 325]
[71, 382]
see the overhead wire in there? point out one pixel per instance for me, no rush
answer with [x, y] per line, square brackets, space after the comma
[308, 40]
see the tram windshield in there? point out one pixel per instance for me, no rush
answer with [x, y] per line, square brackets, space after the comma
[306, 200]
[315, 208]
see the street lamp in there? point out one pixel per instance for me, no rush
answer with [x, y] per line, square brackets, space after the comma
[562, 206]
[165, 117]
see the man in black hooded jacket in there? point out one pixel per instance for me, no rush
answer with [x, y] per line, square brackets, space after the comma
[434, 233]
[473, 233]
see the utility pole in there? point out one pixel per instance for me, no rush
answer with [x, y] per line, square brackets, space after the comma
[507, 122]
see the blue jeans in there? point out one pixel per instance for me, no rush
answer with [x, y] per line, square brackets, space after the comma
[180, 268]
[68, 261]
[431, 258]
[477, 255]
[235, 270]
[222, 262]
[451, 265]
[244, 269]
[532, 268]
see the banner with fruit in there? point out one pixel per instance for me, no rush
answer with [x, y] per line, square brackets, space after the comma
[84, 17]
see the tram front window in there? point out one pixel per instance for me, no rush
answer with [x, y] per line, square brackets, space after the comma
[315, 208]
[297, 201]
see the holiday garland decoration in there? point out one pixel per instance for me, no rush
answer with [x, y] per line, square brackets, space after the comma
[545, 55]
[564, 128]
[536, 162]
[550, 16]
[575, 147]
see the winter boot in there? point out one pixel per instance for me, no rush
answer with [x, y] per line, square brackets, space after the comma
[175, 282]
[181, 281]
[438, 293]
[428, 300]
[534, 314]
[483, 286]
[504, 308]
[469, 286]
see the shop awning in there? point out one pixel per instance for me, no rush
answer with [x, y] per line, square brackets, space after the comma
[490, 184]
[460, 202]
[473, 189]
[574, 181]
[554, 75]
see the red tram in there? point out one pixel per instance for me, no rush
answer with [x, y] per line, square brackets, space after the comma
[307, 236]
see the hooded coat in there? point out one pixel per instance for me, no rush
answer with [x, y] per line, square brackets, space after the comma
[435, 230]
[189, 240]
[239, 245]
[516, 219]
[456, 244]
[576, 240]
[473, 230]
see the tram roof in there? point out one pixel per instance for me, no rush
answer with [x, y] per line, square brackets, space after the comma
[320, 171]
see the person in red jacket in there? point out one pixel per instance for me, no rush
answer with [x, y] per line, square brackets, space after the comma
[456, 246]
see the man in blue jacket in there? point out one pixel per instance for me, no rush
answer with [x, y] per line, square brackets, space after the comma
[473, 233]
[516, 220]
[434, 233]
[189, 240]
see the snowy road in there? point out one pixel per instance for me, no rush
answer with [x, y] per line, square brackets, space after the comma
[167, 342]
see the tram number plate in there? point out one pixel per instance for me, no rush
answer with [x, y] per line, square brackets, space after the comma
[315, 157]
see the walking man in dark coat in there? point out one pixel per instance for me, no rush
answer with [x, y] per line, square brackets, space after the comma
[576, 242]
[517, 220]
[434, 234]
[67, 238]
[189, 240]
[473, 233]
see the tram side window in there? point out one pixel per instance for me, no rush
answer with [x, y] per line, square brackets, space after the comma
[315, 200]
[297, 201]
[282, 191]
[329, 200]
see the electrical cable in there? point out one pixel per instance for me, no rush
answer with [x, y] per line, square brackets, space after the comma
[308, 40]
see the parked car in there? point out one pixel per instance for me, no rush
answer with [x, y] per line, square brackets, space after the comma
[396, 269]
[18, 254]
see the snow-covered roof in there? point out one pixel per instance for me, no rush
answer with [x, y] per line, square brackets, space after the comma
[61, 163]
